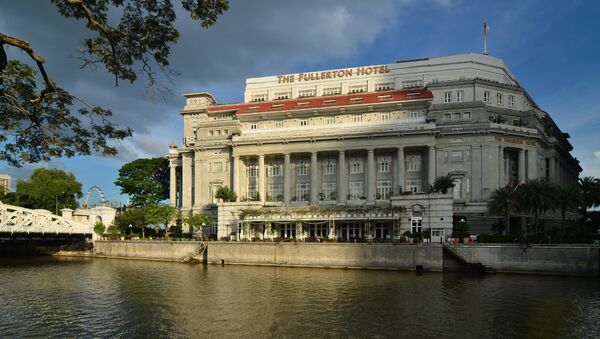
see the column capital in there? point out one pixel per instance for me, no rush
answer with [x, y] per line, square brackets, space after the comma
[400, 148]
[431, 147]
[370, 150]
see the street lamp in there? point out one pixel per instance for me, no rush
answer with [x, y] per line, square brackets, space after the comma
[202, 231]
[56, 202]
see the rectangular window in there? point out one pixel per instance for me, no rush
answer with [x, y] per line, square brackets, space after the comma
[466, 115]
[511, 100]
[357, 119]
[515, 122]
[414, 114]
[282, 95]
[384, 188]
[447, 97]
[274, 170]
[492, 118]
[306, 93]
[275, 192]
[384, 116]
[211, 133]
[332, 91]
[252, 171]
[303, 122]
[253, 125]
[302, 168]
[412, 83]
[356, 165]
[413, 163]
[329, 167]
[329, 120]
[460, 96]
[356, 190]
[385, 86]
[456, 156]
[252, 190]
[384, 164]
[303, 191]
[499, 98]
[447, 116]
[258, 97]
[413, 185]
[357, 89]
[329, 191]
[278, 124]
[487, 96]
[456, 116]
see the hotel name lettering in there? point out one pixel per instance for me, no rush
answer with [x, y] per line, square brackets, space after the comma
[516, 141]
[342, 73]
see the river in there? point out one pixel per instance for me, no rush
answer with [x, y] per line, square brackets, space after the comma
[76, 297]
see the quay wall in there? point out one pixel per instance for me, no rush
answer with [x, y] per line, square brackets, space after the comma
[376, 256]
[547, 259]
[147, 249]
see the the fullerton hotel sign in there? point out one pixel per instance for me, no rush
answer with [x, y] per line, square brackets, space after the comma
[342, 73]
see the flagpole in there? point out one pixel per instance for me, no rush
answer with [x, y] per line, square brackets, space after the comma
[485, 29]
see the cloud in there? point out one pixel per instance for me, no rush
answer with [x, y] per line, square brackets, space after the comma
[597, 155]
[24, 172]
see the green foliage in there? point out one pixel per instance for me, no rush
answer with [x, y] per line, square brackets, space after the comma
[195, 221]
[590, 192]
[160, 214]
[134, 216]
[502, 202]
[128, 38]
[536, 197]
[460, 230]
[567, 197]
[113, 230]
[226, 194]
[145, 180]
[99, 228]
[44, 189]
[443, 184]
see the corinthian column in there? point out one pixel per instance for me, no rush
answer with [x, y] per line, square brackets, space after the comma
[314, 191]
[173, 182]
[186, 181]
[371, 175]
[261, 177]
[400, 171]
[342, 184]
[286, 178]
[431, 165]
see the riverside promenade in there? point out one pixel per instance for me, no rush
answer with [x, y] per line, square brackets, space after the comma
[508, 258]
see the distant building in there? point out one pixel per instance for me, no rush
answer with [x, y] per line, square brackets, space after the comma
[368, 136]
[5, 183]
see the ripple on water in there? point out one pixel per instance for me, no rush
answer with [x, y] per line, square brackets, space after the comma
[58, 298]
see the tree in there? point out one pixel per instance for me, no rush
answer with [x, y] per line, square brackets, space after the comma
[226, 193]
[590, 193]
[49, 189]
[99, 228]
[145, 180]
[536, 196]
[502, 202]
[567, 197]
[196, 221]
[160, 214]
[136, 217]
[443, 184]
[38, 125]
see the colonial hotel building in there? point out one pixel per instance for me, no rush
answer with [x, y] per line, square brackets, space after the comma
[349, 152]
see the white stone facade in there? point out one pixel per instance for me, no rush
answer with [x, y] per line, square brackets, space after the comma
[363, 135]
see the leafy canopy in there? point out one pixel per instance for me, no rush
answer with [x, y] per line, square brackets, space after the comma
[145, 180]
[44, 189]
[129, 38]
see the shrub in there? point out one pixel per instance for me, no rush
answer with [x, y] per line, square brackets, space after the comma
[99, 228]
[226, 194]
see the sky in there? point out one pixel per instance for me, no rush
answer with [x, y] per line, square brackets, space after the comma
[551, 46]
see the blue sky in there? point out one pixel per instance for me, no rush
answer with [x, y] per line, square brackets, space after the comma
[551, 46]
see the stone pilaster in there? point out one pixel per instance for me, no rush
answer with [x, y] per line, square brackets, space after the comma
[198, 178]
[286, 178]
[400, 163]
[261, 177]
[521, 164]
[186, 181]
[371, 175]
[235, 174]
[314, 189]
[342, 183]
[431, 165]
[501, 172]
[173, 182]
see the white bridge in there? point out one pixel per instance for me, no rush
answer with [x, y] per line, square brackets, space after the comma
[19, 220]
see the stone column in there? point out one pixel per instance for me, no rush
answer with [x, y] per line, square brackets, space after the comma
[235, 174]
[186, 181]
[173, 183]
[399, 186]
[371, 175]
[261, 177]
[532, 165]
[314, 190]
[198, 178]
[521, 166]
[342, 184]
[431, 165]
[286, 178]
[551, 170]
[501, 171]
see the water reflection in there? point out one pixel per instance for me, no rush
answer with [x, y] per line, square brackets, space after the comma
[114, 298]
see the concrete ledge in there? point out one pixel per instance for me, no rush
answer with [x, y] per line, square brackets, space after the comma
[146, 249]
[541, 259]
[334, 255]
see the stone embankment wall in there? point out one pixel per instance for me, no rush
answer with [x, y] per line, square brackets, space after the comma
[143, 249]
[383, 256]
[549, 259]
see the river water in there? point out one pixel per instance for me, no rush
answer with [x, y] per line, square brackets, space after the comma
[75, 297]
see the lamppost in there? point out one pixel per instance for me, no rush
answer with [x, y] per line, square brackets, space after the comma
[202, 231]
[56, 202]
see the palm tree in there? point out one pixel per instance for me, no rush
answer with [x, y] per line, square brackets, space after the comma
[536, 196]
[590, 193]
[443, 184]
[567, 197]
[502, 202]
